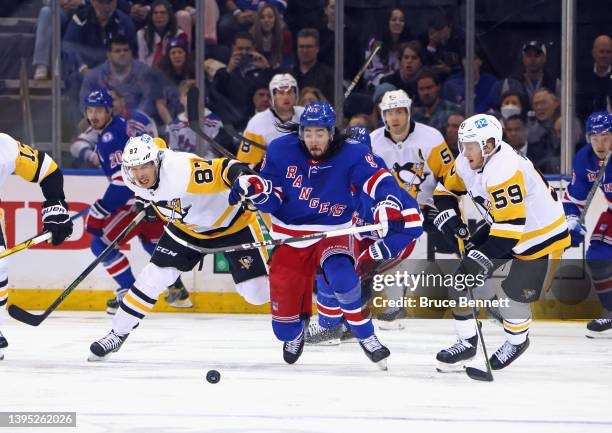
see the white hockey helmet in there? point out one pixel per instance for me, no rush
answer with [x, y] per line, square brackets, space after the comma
[394, 99]
[139, 151]
[282, 81]
[480, 128]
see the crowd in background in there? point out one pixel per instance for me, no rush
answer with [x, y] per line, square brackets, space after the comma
[143, 50]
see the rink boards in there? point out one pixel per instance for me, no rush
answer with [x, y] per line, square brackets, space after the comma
[37, 276]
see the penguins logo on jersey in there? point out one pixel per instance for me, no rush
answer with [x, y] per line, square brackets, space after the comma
[172, 210]
[246, 262]
[411, 176]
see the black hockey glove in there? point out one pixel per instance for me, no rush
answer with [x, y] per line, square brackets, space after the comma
[56, 220]
[140, 204]
[476, 268]
[449, 223]
[429, 215]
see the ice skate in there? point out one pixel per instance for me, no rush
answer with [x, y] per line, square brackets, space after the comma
[101, 349]
[293, 349]
[347, 335]
[507, 353]
[112, 305]
[388, 320]
[178, 296]
[599, 328]
[454, 358]
[3, 344]
[375, 351]
[316, 335]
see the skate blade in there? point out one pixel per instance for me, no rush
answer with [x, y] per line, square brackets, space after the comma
[382, 364]
[349, 340]
[395, 325]
[95, 358]
[1, 355]
[185, 303]
[332, 342]
[594, 335]
[111, 312]
[458, 367]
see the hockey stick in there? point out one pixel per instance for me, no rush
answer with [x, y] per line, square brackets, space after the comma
[472, 372]
[591, 195]
[24, 316]
[362, 70]
[38, 239]
[275, 242]
[193, 116]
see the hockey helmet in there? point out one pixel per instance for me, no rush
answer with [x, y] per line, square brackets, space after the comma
[99, 98]
[139, 151]
[318, 114]
[480, 129]
[598, 123]
[394, 99]
[359, 134]
[282, 81]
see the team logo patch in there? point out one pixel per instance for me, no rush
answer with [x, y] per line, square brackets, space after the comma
[246, 262]
[107, 136]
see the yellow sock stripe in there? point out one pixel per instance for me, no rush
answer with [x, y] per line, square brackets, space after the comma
[517, 328]
[3, 293]
[128, 297]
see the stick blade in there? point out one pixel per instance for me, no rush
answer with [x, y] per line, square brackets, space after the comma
[477, 374]
[193, 97]
[24, 316]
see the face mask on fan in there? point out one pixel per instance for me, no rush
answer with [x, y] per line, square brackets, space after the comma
[510, 110]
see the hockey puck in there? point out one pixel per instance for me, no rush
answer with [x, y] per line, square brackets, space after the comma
[213, 376]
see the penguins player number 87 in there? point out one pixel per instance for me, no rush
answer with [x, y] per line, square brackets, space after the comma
[501, 196]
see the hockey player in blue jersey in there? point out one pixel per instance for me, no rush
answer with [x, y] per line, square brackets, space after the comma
[111, 213]
[305, 184]
[587, 164]
[371, 251]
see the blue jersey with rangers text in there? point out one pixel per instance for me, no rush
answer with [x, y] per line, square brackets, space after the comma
[111, 142]
[586, 167]
[313, 196]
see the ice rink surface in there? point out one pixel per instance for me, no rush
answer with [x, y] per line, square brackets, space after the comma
[156, 382]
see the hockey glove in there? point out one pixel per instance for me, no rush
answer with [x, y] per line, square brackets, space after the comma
[449, 223]
[429, 216]
[250, 187]
[56, 220]
[576, 230]
[95, 218]
[476, 265]
[140, 204]
[388, 213]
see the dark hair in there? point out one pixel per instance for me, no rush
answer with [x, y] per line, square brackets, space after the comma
[243, 35]
[387, 41]
[168, 70]
[438, 21]
[309, 32]
[516, 117]
[119, 38]
[427, 73]
[276, 50]
[149, 29]
[414, 46]
[520, 95]
[334, 146]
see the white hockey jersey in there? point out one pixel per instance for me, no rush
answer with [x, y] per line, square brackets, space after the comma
[418, 161]
[23, 160]
[262, 129]
[192, 193]
[518, 202]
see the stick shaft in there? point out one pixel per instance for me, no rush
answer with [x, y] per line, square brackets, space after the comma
[361, 71]
[596, 183]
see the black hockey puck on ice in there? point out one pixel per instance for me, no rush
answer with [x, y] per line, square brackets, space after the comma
[213, 376]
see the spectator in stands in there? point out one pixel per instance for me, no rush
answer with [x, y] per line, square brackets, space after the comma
[89, 33]
[42, 42]
[177, 65]
[515, 133]
[271, 39]
[310, 94]
[431, 109]
[411, 63]
[309, 71]
[154, 37]
[240, 15]
[137, 82]
[513, 103]
[454, 87]
[543, 148]
[534, 76]
[579, 138]
[388, 59]
[261, 98]
[451, 135]
[595, 92]
[437, 55]
[327, 36]
[360, 119]
[246, 69]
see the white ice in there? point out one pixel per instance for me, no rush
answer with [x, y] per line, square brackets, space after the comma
[156, 382]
